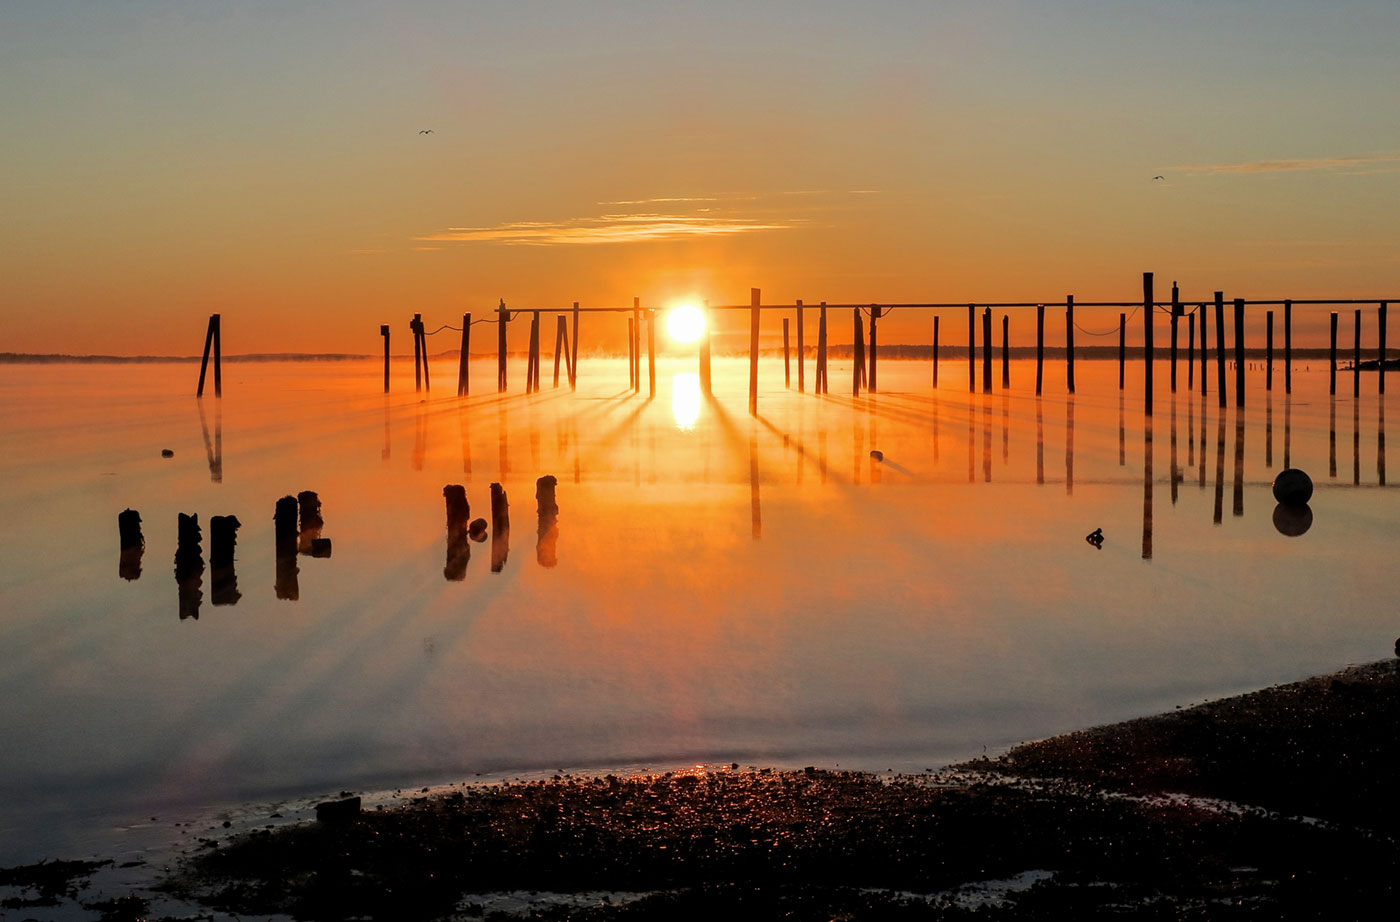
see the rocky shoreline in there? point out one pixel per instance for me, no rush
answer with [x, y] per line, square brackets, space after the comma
[1274, 804]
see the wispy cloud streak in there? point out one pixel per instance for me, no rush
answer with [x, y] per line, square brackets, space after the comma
[1317, 164]
[616, 228]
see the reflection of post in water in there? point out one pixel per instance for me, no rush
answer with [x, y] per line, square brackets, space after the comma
[1190, 430]
[500, 528]
[459, 517]
[971, 438]
[755, 508]
[133, 544]
[1203, 425]
[214, 450]
[986, 438]
[1147, 488]
[1069, 446]
[1287, 431]
[546, 553]
[189, 566]
[1356, 439]
[1174, 471]
[937, 412]
[857, 445]
[284, 522]
[465, 432]
[1039, 441]
[1269, 430]
[1237, 507]
[223, 538]
[384, 452]
[1005, 426]
[1380, 441]
[1220, 470]
[1122, 434]
[503, 442]
[420, 435]
[821, 452]
[1332, 439]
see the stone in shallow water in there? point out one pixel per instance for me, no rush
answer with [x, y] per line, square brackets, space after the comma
[1293, 487]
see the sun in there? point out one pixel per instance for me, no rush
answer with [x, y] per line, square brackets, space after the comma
[686, 323]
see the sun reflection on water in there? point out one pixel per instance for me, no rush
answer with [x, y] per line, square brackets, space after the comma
[685, 400]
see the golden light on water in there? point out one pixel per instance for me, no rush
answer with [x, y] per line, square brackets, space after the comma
[685, 324]
[685, 399]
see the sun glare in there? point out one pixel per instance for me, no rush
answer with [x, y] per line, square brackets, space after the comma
[685, 324]
[685, 400]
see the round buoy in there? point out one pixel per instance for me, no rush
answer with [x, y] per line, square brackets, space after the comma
[1292, 521]
[1293, 487]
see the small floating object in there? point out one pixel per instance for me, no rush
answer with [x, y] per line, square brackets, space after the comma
[877, 455]
[1292, 521]
[167, 453]
[1293, 487]
[477, 530]
[1095, 538]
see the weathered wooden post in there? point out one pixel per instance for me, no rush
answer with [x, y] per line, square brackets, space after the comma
[133, 544]
[1176, 318]
[631, 357]
[1288, 347]
[573, 353]
[1380, 382]
[458, 528]
[1005, 351]
[500, 528]
[533, 362]
[705, 353]
[1069, 343]
[423, 351]
[1039, 347]
[821, 350]
[874, 347]
[857, 352]
[637, 345]
[1268, 350]
[1148, 351]
[417, 353]
[1205, 370]
[787, 361]
[971, 349]
[935, 352]
[547, 529]
[1122, 348]
[464, 383]
[1220, 345]
[384, 332]
[986, 350]
[218, 355]
[1356, 358]
[754, 301]
[651, 351]
[1190, 351]
[801, 353]
[204, 363]
[1239, 352]
[561, 338]
[1332, 357]
[502, 318]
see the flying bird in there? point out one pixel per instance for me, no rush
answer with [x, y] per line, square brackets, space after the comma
[430, 131]
[1155, 178]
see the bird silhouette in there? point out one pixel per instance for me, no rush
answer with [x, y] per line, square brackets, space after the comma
[1163, 178]
[430, 131]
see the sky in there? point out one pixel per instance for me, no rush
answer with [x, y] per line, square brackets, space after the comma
[312, 170]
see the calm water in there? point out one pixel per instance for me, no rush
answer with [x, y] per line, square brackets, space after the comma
[723, 588]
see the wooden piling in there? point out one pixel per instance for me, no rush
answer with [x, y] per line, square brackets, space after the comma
[755, 300]
[801, 354]
[787, 360]
[1069, 343]
[464, 360]
[1205, 370]
[1176, 318]
[1122, 349]
[986, 350]
[1190, 351]
[971, 349]
[1356, 358]
[1220, 345]
[1332, 358]
[1039, 347]
[384, 332]
[1288, 347]
[561, 338]
[705, 353]
[935, 352]
[636, 345]
[1239, 352]
[857, 353]
[533, 363]
[204, 363]
[502, 318]
[631, 356]
[417, 353]
[573, 353]
[423, 351]
[874, 348]
[1268, 350]
[651, 352]
[821, 350]
[1148, 351]
[1380, 381]
[1005, 351]
[218, 355]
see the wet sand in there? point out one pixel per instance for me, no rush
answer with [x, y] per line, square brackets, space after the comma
[1274, 804]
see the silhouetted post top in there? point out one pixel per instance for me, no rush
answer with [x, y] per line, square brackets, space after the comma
[310, 505]
[285, 518]
[129, 526]
[458, 510]
[544, 495]
[223, 535]
[188, 534]
[500, 508]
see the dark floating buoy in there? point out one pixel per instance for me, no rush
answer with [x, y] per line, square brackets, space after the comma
[167, 453]
[877, 455]
[477, 530]
[1293, 487]
[1095, 538]
[1292, 521]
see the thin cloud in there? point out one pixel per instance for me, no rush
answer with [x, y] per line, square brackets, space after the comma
[614, 228]
[1317, 164]
[656, 201]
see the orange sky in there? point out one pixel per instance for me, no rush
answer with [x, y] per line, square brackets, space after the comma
[266, 161]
